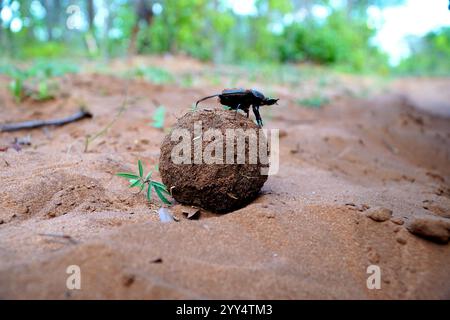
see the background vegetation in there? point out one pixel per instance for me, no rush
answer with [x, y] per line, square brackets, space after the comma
[278, 31]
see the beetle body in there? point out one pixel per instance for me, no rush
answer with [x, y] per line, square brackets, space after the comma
[242, 99]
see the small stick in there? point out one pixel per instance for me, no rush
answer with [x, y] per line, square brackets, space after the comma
[62, 236]
[42, 123]
[122, 109]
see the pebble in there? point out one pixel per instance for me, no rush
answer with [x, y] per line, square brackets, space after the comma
[270, 215]
[402, 237]
[157, 260]
[128, 280]
[364, 207]
[398, 221]
[431, 228]
[379, 214]
[373, 257]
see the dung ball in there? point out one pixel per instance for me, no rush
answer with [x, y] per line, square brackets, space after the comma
[215, 159]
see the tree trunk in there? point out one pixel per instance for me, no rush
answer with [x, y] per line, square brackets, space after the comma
[144, 13]
[107, 26]
[90, 14]
[48, 18]
[2, 45]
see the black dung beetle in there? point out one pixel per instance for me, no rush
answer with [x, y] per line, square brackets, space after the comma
[242, 99]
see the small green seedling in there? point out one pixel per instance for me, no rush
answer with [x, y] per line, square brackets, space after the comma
[45, 91]
[159, 117]
[35, 82]
[154, 75]
[17, 89]
[187, 80]
[140, 181]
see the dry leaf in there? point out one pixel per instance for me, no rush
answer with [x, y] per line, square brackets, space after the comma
[191, 212]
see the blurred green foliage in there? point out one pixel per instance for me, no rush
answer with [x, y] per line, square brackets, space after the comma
[430, 55]
[43, 50]
[316, 101]
[39, 69]
[16, 88]
[35, 81]
[336, 41]
[159, 116]
[274, 32]
[153, 74]
[180, 28]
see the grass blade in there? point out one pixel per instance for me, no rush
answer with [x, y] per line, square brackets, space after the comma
[149, 192]
[135, 183]
[159, 117]
[161, 196]
[161, 186]
[141, 169]
[148, 176]
[127, 175]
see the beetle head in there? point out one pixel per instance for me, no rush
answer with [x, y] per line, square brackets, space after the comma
[270, 102]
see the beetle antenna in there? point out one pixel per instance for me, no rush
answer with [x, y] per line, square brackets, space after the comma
[205, 98]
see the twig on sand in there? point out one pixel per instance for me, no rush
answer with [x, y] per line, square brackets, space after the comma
[391, 148]
[61, 236]
[122, 109]
[42, 123]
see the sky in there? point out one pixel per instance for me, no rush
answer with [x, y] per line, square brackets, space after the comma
[414, 17]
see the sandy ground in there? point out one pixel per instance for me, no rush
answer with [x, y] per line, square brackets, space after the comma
[308, 234]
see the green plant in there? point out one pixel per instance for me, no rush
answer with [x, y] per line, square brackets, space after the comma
[187, 80]
[154, 74]
[140, 181]
[45, 91]
[44, 50]
[159, 117]
[17, 89]
[37, 81]
[90, 138]
[47, 69]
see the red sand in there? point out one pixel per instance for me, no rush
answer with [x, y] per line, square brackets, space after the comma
[306, 236]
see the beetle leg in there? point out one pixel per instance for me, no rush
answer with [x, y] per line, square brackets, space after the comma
[257, 115]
